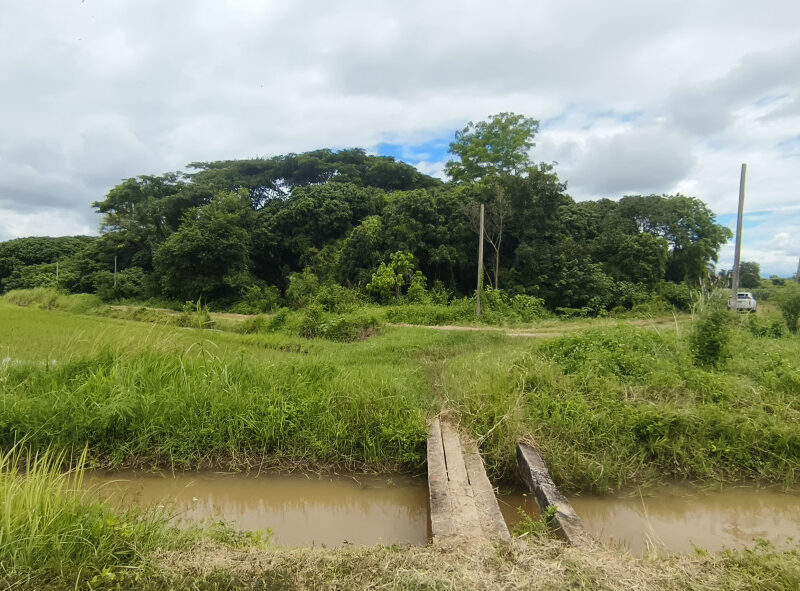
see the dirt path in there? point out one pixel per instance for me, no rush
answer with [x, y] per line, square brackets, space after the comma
[545, 332]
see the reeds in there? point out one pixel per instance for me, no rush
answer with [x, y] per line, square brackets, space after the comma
[48, 524]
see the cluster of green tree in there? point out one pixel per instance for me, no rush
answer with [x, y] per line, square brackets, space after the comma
[379, 226]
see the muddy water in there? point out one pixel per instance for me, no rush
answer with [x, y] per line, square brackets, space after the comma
[300, 510]
[678, 518]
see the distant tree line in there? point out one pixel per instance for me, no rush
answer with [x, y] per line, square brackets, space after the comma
[231, 228]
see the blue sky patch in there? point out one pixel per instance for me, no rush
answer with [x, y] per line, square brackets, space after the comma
[435, 150]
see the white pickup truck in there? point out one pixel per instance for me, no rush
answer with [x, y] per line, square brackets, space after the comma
[744, 301]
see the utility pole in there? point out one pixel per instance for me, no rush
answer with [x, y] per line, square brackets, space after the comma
[56, 271]
[797, 275]
[480, 268]
[115, 271]
[738, 247]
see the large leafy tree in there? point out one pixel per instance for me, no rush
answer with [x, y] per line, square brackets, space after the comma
[499, 146]
[276, 177]
[749, 274]
[432, 226]
[209, 255]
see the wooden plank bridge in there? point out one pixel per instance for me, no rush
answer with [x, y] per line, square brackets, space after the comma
[462, 501]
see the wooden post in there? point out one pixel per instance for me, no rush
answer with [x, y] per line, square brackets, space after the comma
[480, 268]
[738, 247]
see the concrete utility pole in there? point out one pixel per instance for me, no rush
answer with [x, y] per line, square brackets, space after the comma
[56, 271]
[738, 247]
[115, 271]
[797, 275]
[480, 268]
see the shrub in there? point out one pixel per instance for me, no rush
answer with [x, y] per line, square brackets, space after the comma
[765, 328]
[279, 320]
[710, 336]
[528, 308]
[130, 284]
[317, 323]
[258, 298]
[439, 294]
[431, 314]
[253, 325]
[790, 308]
[417, 292]
[303, 288]
[676, 294]
[335, 298]
[195, 315]
[313, 322]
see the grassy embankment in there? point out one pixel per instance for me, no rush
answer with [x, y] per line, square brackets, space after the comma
[608, 407]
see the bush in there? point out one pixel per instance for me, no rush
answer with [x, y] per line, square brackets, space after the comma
[303, 288]
[279, 320]
[431, 314]
[417, 292]
[759, 327]
[711, 335]
[253, 325]
[317, 323]
[130, 284]
[195, 315]
[528, 308]
[676, 294]
[790, 308]
[439, 294]
[338, 299]
[258, 298]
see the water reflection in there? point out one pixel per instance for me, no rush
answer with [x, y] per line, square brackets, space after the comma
[678, 518]
[300, 510]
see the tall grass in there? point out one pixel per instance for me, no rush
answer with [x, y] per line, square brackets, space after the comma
[167, 398]
[619, 406]
[49, 526]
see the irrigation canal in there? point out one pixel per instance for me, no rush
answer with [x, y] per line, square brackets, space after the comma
[455, 501]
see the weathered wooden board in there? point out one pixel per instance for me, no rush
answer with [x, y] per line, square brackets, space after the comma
[534, 473]
[462, 500]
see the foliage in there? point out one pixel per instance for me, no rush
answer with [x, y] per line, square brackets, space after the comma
[258, 298]
[50, 526]
[317, 323]
[711, 334]
[209, 255]
[749, 275]
[390, 277]
[789, 304]
[338, 299]
[229, 229]
[762, 327]
[417, 292]
[303, 288]
[678, 295]
[131, 284]
[498, 146]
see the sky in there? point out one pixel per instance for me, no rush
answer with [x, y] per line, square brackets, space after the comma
[633, 97]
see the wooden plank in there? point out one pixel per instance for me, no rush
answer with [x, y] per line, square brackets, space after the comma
[453, 455]
[565, 521]
[492, 521]
[437, 483]
[464, 513]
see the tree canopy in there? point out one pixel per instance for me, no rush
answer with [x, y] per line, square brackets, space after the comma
[293, 223]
